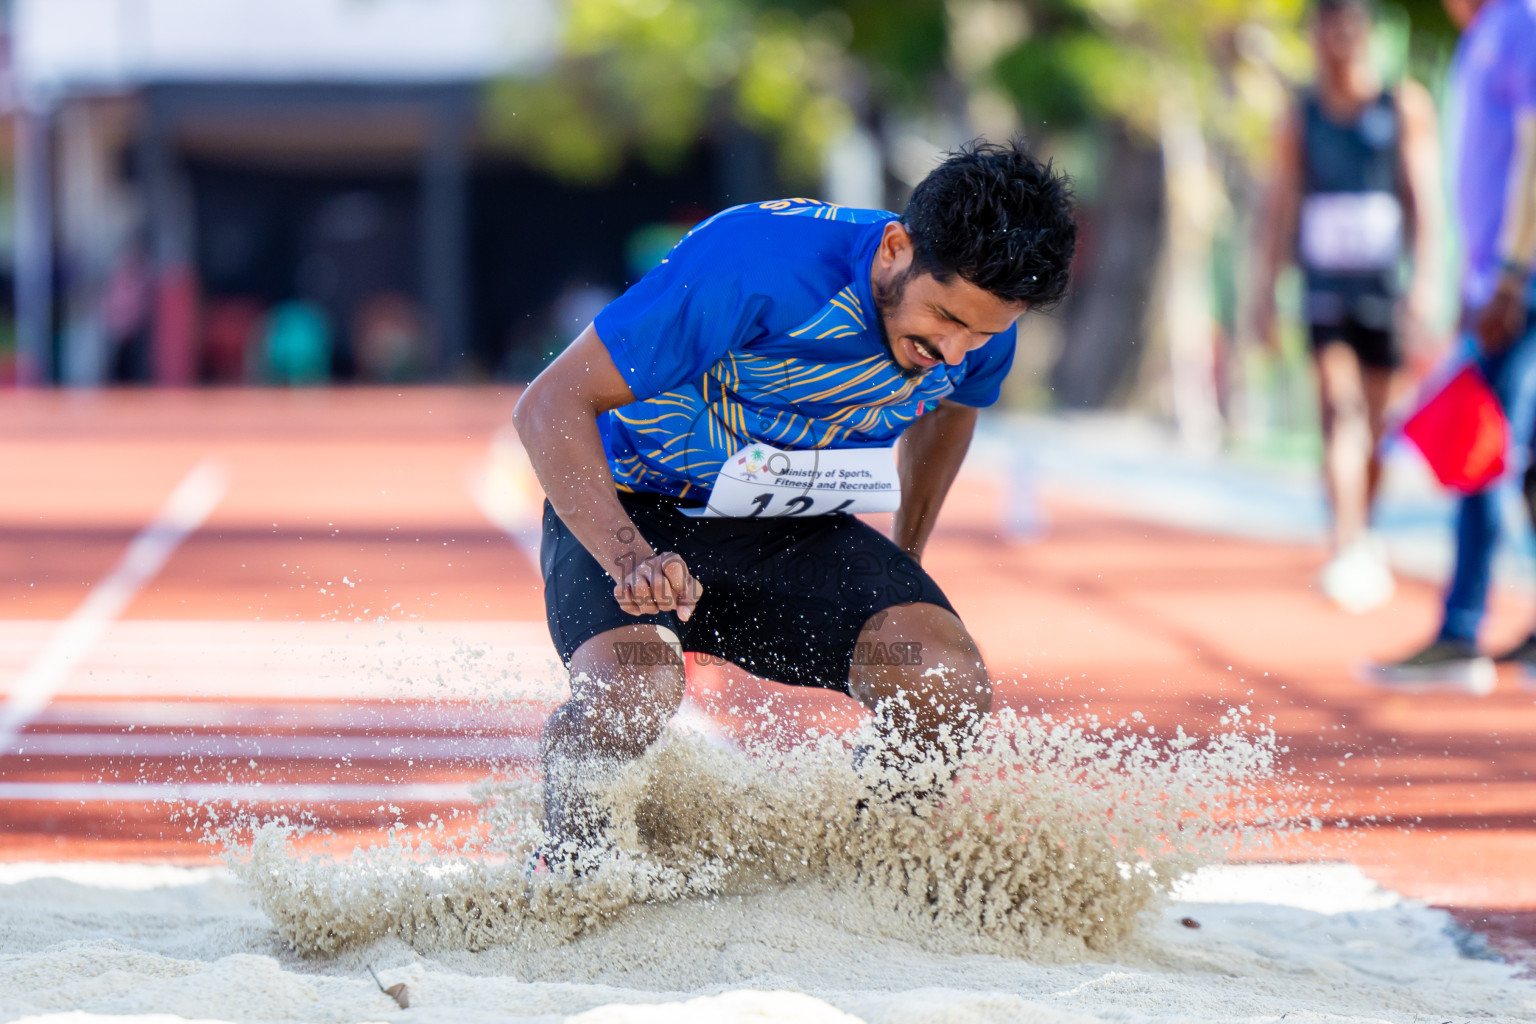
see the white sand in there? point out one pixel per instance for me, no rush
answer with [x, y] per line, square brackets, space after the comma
[92, 943]
[746, 885]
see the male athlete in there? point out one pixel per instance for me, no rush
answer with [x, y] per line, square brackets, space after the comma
[704, 442]
[1356, 181]
[1493, 82]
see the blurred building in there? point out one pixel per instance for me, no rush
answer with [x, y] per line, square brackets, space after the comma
[293, 191]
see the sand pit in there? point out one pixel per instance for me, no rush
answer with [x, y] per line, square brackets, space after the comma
[95, 942]
[759, 884]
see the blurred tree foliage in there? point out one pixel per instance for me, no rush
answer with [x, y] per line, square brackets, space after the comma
[650, 77]
[647, 77]
[1125, 60]
[1091, 59]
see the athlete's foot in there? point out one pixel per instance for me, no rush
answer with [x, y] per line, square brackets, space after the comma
[548, 860]
[1445, 665]
[1358, 579]
[537, 863]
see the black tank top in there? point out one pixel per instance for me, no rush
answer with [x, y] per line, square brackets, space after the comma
[1358, 156]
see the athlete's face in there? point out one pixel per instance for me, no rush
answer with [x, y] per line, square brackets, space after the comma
[927, 321]
[1342, 37]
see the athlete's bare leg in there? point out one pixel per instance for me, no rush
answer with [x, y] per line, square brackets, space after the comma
[619, 706]
[1350, 469]
[1379, 385]
[937, 697]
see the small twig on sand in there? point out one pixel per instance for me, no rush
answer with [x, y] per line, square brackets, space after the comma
[398, 992]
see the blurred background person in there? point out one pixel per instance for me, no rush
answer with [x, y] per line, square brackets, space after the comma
[389, 338]
[1354, 192]
[296, 344]
[125, 315]
[1494, 82]
[231, 329]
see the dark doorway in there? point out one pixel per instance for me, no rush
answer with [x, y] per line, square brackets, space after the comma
[337, 241]
[544, 252]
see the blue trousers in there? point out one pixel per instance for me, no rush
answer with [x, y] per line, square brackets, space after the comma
[1512, 374]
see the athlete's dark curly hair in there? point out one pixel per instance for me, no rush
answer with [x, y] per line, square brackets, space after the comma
[998, 217]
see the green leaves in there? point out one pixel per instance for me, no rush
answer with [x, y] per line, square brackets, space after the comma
[647, 77]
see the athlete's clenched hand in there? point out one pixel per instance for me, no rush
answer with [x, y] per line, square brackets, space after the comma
[661, 583]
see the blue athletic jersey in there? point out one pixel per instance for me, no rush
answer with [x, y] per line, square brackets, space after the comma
[760, 326]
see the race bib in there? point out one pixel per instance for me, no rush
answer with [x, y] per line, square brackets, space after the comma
[1351, 232]
[762, 482]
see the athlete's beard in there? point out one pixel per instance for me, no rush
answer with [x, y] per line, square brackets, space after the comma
[888, 295]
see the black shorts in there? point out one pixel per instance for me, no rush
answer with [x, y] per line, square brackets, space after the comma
[783, 598]
[1375, 348]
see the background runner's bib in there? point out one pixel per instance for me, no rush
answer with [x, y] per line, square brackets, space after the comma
[1351, 231]
[761, 481]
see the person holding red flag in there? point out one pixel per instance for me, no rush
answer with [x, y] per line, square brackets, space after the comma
[1494, 84]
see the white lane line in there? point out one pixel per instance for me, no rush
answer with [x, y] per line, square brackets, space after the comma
[187, 508]
[486, 662]
[253, 793]
[237, 719]
[285, 748]
[111, 875]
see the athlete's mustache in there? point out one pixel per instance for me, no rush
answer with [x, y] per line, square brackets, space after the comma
[887, 300]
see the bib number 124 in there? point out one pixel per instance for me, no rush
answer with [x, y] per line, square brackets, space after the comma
[763, 482]
[798, 505]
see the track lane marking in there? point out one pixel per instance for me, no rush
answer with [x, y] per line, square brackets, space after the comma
[252, 793]
[278, 747]
[186, 509]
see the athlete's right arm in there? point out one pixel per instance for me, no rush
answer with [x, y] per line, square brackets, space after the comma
[556, 419]
[1277, 225]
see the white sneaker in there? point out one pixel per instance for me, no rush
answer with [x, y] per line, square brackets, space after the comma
[1445, 666]
[1358, 579]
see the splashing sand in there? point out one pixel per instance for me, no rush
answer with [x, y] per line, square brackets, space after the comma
[1054, 836]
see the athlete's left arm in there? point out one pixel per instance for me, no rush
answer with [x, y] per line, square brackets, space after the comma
[928, 459]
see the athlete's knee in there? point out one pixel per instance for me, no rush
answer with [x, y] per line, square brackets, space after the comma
[626, 684]
[955, 683]
[1344, 409]
[940, 703]
[953, 663]
[924, 623]
[1340, 386]
[939, 677]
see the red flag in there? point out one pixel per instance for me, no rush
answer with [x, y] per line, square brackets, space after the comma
[1462, 432]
